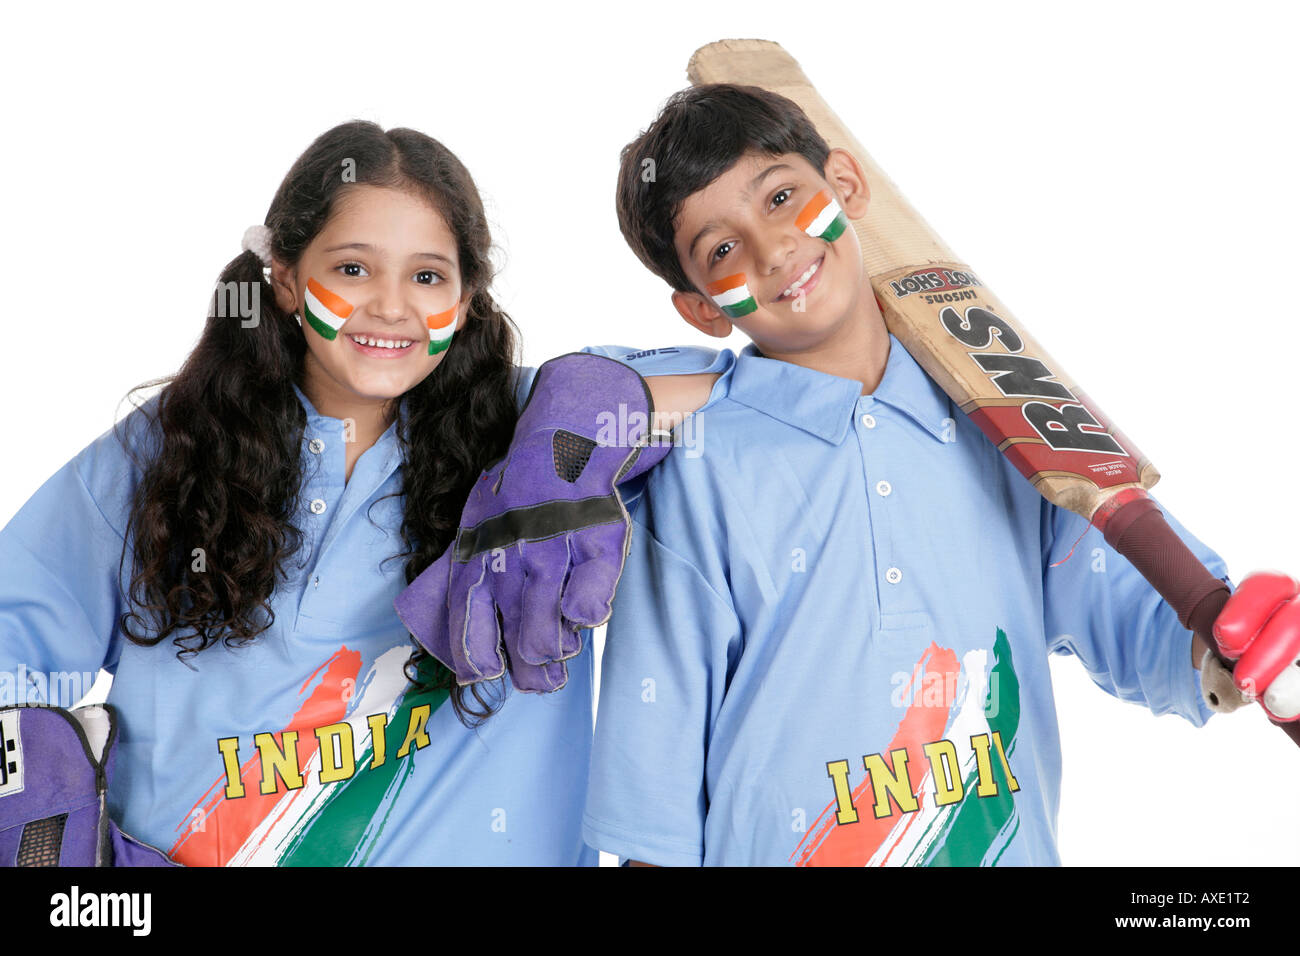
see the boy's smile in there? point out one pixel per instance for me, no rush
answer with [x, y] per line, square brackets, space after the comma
[775, 224]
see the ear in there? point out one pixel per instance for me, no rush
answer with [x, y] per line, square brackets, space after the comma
[702, 314]
[284, 281]
[845, 173]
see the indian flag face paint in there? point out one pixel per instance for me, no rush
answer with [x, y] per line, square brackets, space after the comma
[822, 217]
[441, 327]
[324, 310]
[731, 295]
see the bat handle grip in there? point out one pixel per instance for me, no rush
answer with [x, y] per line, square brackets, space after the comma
[1133, 525]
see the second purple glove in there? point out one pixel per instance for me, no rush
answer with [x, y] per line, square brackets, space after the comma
[544, 533]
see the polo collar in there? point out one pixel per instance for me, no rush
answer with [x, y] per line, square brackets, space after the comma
[824, 405]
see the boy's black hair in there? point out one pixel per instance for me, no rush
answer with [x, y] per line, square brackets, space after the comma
[700, 134]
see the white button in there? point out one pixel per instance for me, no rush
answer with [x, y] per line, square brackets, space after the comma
[316, 445]
[316, 581]
[318, 506]
[883, 488]
[868, 421]
[893, 575]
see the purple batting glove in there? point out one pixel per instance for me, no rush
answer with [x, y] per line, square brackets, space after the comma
[544, 534]
[55, 767]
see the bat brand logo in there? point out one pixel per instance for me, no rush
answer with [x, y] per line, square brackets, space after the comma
[1067, 426]
[933, 280]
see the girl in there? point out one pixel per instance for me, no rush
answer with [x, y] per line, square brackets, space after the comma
[306, 463]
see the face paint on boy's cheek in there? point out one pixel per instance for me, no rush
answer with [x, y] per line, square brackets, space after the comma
[822, 217]
[326, 312]
[732, 296]
[441, 328]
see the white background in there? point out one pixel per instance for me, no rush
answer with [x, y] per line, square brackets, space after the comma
[1122, 175]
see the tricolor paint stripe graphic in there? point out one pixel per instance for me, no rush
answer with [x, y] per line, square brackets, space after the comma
[336, 822]
[822, 217]
[971, 830]
[325, 311]
[441, 328]
[731, 295]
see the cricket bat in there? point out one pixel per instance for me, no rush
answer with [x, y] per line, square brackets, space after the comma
[989, 364]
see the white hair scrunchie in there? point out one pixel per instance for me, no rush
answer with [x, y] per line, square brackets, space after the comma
[257, 240]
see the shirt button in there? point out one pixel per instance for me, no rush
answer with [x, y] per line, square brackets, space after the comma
[868, 421]
[883, 488]
[893, 575]
[316, 581]
[316, 445]
[318, 506]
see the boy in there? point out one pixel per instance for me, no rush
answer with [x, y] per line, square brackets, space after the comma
[830, 644]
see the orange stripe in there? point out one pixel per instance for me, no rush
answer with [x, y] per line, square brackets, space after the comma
[442, 319]
[227, 823]
[335, 303]
[725, 285]
[828, 843]
[813, 209]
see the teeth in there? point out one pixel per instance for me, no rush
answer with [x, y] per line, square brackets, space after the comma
[797, 284]
[380, 343]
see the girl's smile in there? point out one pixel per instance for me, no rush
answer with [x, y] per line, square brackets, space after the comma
[380, 348]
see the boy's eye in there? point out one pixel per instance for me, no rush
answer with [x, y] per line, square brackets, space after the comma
[781, 198]
[722, 250]
[352, 269]
[428, 277]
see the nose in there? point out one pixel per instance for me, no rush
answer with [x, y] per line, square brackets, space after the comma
[773, 248]
[389, 303]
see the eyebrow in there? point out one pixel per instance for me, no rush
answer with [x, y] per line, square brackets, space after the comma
[753, 184]
[366, 247]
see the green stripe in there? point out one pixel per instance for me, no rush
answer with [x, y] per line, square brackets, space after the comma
[326, 331]
[836, 228]
[344, 831]
[436, 347]
[740, 309]
[979, 820]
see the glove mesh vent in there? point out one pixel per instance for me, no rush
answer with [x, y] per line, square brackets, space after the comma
[41, 842]
[571, 454]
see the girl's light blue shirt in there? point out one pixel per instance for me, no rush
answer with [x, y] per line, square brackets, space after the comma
[306, 746]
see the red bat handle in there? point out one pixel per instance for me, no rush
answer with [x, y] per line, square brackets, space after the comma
[1133, 525]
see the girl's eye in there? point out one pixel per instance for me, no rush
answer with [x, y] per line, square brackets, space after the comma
[428, 277]
[781, 198]
[353, 269]
[721, 251]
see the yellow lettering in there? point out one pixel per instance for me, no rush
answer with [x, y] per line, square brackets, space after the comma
[946, 770]
[885, 783]
[1002, 755]
[334, 766]
[988, 787]
[276, 761]
[378, 724]
[229, 748]
[415, 730]
[838, 771]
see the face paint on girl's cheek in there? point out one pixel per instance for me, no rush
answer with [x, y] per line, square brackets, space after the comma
[325, 311]
[731, 295]
[822, 217]
[441, 328]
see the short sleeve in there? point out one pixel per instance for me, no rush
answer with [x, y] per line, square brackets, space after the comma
[60, 592]
[1100, 609]
[674, 360]
[672, 641]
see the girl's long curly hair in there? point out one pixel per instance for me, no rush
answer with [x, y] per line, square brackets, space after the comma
[227, 471]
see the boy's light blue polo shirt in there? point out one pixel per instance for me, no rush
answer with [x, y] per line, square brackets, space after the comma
[830, 644]
[307, 746]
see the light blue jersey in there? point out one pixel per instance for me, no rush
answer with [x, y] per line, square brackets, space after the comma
[307, 746]
[830, 645]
